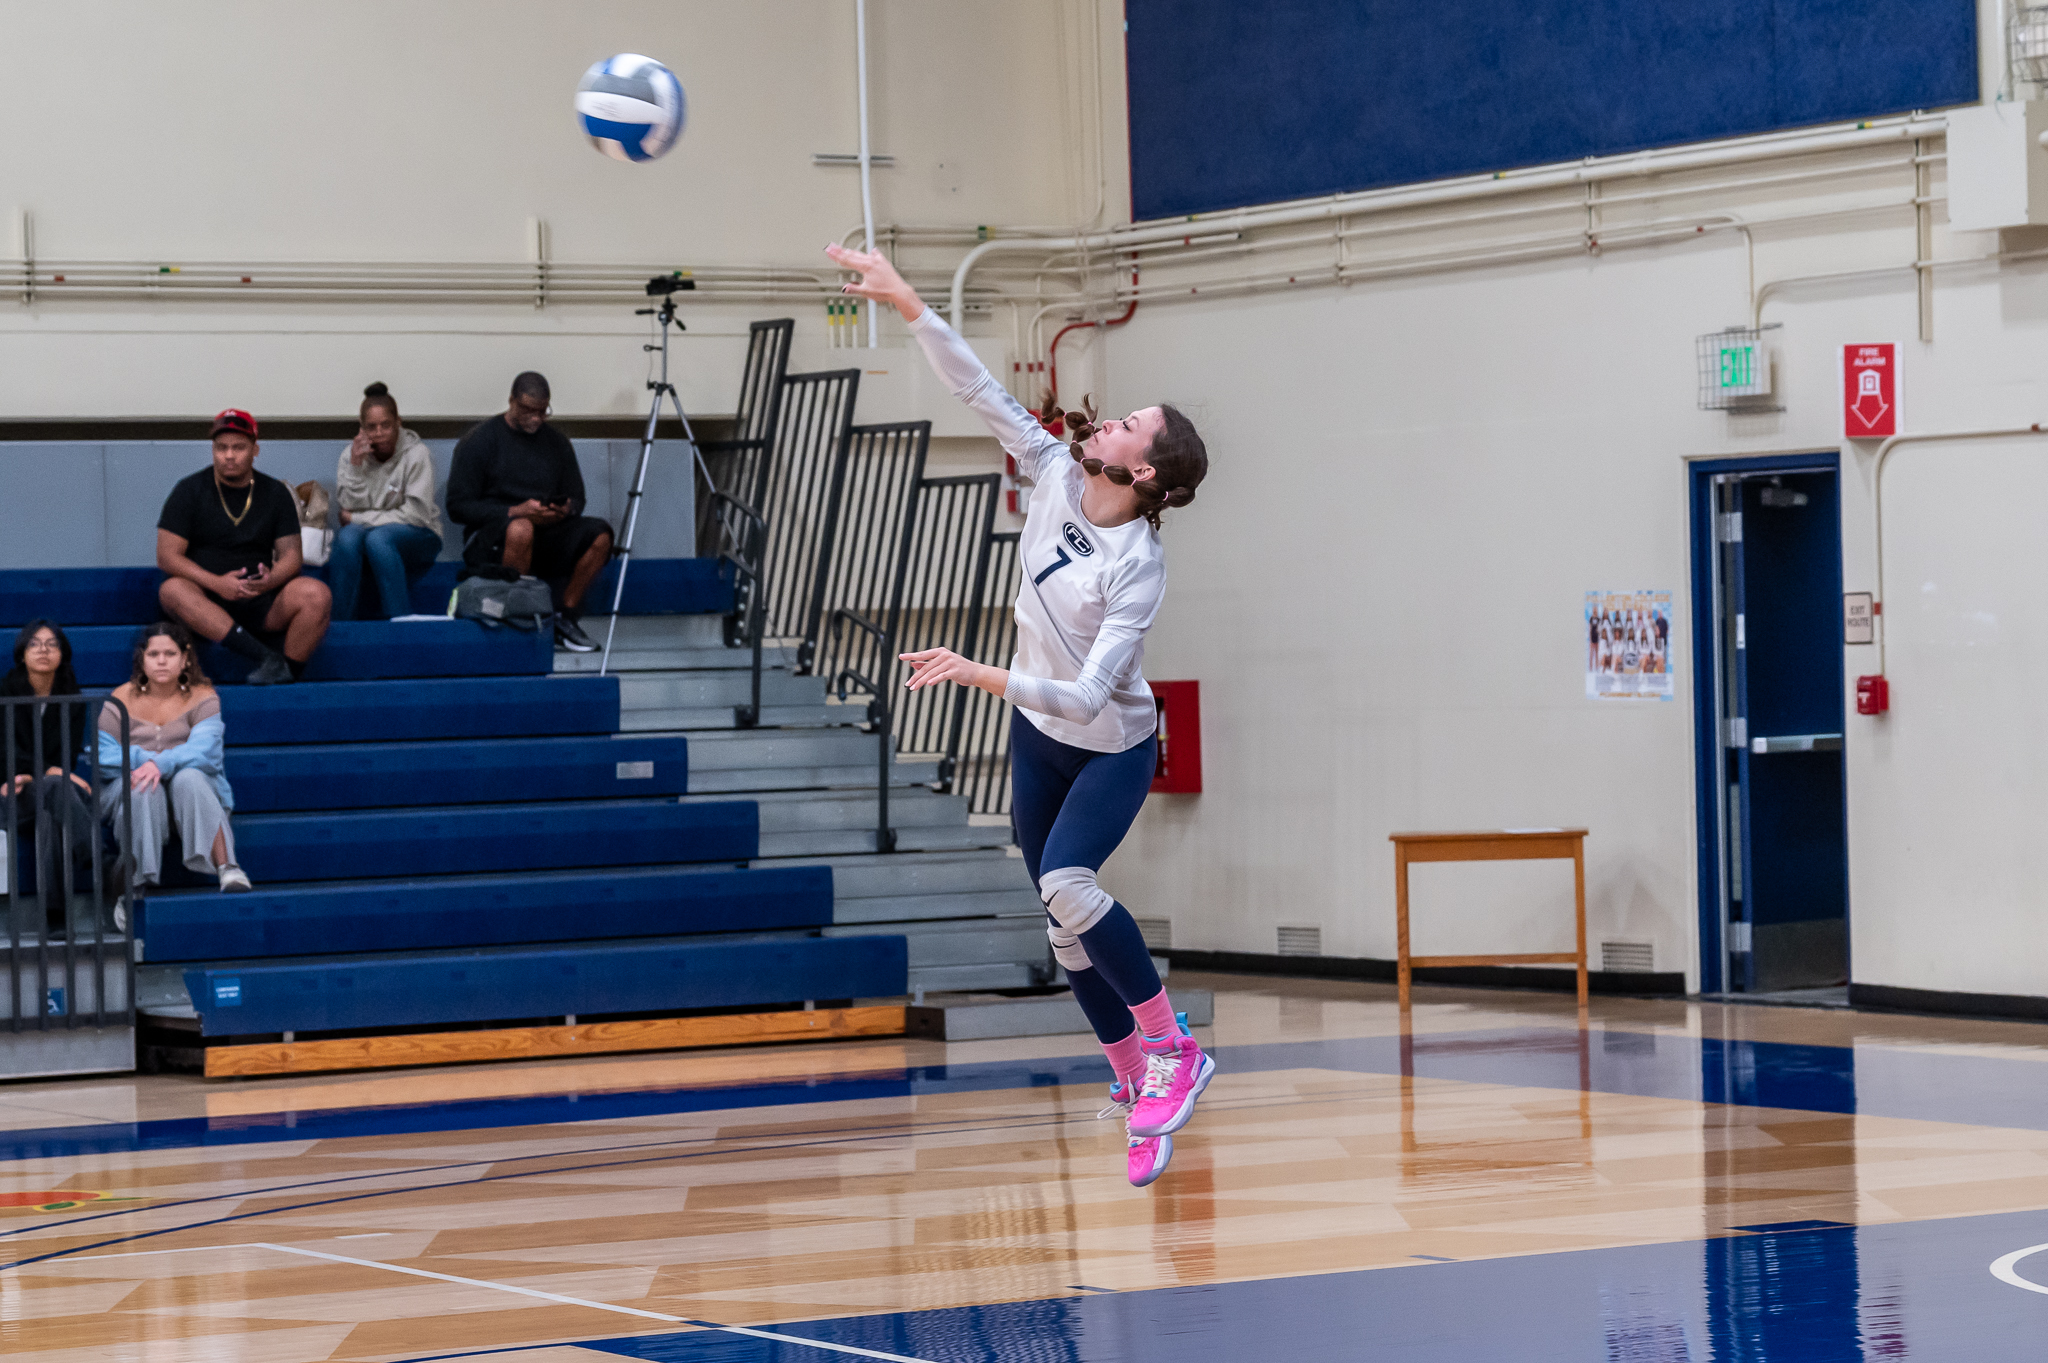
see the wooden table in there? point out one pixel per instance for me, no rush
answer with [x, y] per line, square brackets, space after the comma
[1534, 844]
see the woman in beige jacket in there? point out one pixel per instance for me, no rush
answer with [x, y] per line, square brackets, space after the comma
[390, 525]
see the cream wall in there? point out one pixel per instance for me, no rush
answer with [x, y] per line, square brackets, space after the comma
[1380, 590]
[251, 132]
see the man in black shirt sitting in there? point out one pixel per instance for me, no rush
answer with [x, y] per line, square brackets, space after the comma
[228, 545]
[516, 490]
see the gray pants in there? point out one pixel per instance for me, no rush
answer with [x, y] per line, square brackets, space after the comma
[190, 807]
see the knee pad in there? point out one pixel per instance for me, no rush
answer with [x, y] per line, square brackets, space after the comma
[1067, 949]
[1073, 898]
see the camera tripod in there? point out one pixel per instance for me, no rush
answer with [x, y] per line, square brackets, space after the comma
[664, 287]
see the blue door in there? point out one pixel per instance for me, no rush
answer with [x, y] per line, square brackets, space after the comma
[1771, 708]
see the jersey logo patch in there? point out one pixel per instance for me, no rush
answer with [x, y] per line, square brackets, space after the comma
[1078, 540]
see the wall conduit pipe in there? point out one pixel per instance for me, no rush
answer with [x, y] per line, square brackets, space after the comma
[1593, 170]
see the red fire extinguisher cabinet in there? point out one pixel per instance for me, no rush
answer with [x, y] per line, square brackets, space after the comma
[1180, 737]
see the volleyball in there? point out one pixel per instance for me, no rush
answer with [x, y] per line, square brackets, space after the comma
[631, 107]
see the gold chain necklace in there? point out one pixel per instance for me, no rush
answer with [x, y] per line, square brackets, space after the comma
[247, 501]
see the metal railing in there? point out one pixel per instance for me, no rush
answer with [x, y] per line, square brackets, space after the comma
[734, 465]
[862, 560]
[877, 687]
[70, 949]
[742, 537]
[942, 602]
[936, 582]
[977, 761]
[794, 491]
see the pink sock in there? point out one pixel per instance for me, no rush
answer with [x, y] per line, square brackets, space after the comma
[1155, 1016]
[1127, 1058]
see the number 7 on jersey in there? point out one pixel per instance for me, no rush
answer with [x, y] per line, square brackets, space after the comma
[1058, 564]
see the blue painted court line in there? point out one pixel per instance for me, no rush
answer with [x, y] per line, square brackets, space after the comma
[1873, 1080]
[1919, 1290]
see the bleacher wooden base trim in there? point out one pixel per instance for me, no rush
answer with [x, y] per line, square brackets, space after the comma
[526, 1043]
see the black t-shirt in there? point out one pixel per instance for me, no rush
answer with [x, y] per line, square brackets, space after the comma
[198, 509]
[497, 466]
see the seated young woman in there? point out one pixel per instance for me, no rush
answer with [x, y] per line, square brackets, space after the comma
[175, 766]
[41, 784]
[390, 524]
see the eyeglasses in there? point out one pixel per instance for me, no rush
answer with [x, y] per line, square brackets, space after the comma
[40, 645]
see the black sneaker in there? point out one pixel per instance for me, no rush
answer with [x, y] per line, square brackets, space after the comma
[274, 671]
[570, 635]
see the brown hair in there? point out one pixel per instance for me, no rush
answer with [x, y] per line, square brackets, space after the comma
[1180, 461]
[377, 395]
[192, 675]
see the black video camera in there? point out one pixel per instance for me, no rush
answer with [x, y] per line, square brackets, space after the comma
[662, 285]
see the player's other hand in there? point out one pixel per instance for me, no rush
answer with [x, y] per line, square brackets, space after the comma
[934, 665]
[878, 278]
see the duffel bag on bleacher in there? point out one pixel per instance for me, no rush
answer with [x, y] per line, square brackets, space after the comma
[522, 603]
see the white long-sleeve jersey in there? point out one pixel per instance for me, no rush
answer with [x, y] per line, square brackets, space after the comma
[1088, 593]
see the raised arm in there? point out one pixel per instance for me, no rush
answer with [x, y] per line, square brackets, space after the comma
[1022, 438]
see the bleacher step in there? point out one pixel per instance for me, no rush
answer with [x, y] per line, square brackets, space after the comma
[663, 656]
[529, 1043]
[981, 1017]
[499, 983]
[498, 771]
[820, 716]
[420, 709]
[1005, 941]
[455, 911]
[721, 689]
[493, 838]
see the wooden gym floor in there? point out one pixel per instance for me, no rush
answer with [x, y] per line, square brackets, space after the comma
[1667, 1181]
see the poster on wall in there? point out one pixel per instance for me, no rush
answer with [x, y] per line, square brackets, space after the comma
[1628, 645]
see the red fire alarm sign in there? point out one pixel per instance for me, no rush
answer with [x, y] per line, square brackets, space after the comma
[1870, 391]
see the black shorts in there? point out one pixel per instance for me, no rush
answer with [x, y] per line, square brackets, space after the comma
[248, 612]
[556, 548]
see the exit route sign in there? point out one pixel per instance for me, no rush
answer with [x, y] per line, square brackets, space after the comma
[1870, 391]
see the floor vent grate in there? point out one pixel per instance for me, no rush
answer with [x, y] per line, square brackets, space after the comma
[1157, 932]
[1301, 941]
[1628, 958]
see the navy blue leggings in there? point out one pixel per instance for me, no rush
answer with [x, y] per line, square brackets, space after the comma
[1071, 807]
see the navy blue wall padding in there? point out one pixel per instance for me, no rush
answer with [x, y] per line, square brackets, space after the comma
[655, 586]
[515, 983]
[425, 708]
[1234, 104]
[275, 848]
[361, 650]
[394, 775]
[483, 911]
[665, 586]
[79, 596]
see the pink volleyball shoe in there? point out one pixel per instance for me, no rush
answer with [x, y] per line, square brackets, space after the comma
[1176, 1072]
[1147, 1156]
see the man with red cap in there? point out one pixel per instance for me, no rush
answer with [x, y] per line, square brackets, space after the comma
[228, 545]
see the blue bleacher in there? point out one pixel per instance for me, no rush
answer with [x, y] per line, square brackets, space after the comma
[411, 990]
[443, 832]
[77, 597]
[359, 650]
[427, 708]
[477, 911]
[463, 772]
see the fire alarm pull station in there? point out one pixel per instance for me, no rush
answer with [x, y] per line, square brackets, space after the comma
[1180, 738]
[1873, 695]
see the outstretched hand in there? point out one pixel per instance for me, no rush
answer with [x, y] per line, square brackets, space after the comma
[932, 665]
[878, 280]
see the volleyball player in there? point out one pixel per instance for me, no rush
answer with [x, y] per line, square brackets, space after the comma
[1082, 743]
